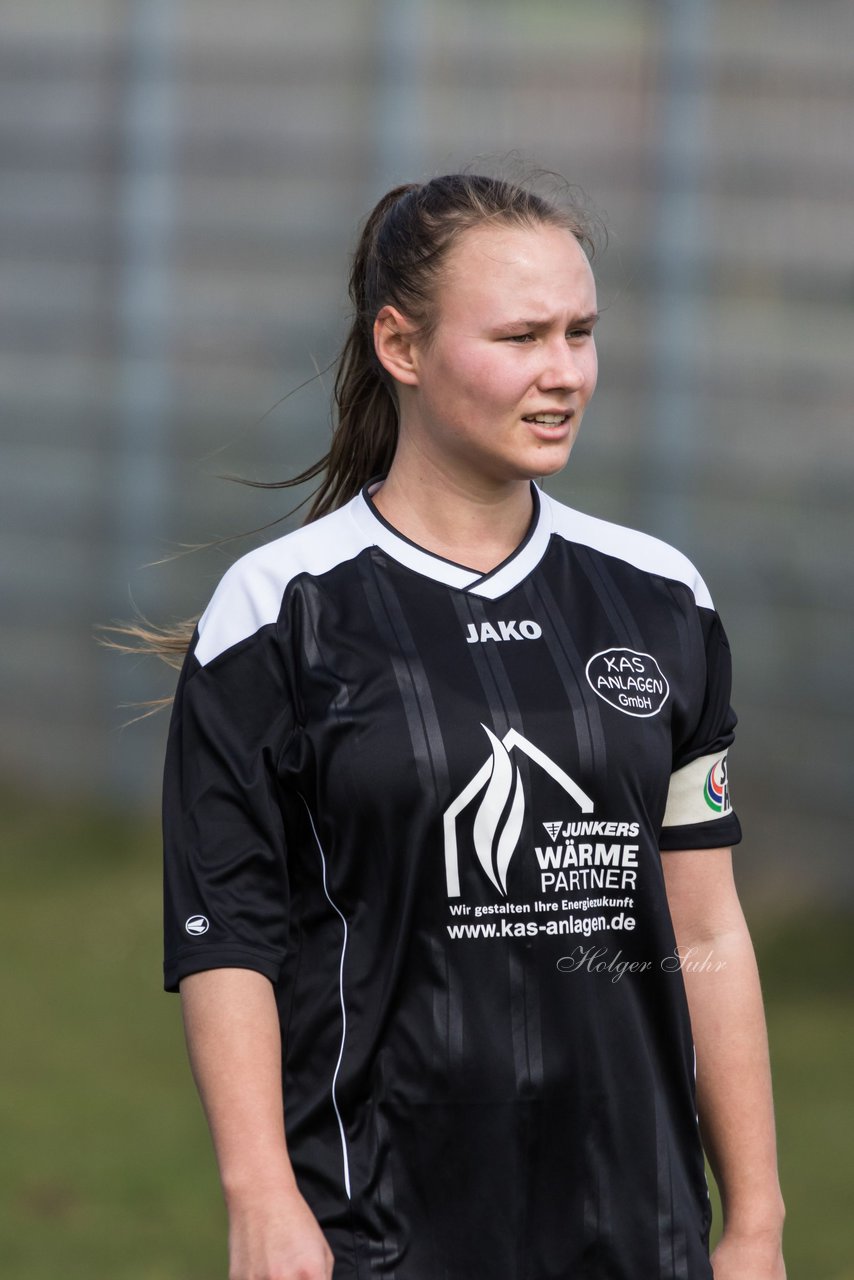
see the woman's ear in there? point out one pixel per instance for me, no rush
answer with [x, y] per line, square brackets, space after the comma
[394, 343]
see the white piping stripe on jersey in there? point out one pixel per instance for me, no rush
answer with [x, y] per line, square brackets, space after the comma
[251, 592]
[343, 1009]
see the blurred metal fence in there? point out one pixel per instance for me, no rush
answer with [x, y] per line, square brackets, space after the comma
[179, 188]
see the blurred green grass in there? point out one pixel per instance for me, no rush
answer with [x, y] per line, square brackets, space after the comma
[106, 1168]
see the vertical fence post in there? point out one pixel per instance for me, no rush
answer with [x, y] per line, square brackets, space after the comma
[679, 243]
[401, 99]
[145, 393]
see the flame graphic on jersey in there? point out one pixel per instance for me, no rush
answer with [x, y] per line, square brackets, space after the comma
[495, 843]
[497, 790]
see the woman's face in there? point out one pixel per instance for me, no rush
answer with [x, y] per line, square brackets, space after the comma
[501, 385]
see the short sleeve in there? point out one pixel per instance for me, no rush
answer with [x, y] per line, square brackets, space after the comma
[699, 813]
[225, 870]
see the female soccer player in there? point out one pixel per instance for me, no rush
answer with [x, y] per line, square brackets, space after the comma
[466, 984]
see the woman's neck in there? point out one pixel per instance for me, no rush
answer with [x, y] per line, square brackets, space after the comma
[472, 524]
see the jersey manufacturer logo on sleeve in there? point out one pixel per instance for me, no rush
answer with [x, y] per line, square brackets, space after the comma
[630, 681]
[197, 925]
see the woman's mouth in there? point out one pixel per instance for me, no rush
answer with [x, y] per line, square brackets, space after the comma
[547, 419]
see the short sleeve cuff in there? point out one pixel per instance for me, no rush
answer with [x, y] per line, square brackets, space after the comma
[720, 833]
[200, 959]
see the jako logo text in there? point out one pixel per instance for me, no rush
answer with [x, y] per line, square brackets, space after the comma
[526, 630]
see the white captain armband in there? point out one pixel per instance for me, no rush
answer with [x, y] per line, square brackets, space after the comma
[699, 792]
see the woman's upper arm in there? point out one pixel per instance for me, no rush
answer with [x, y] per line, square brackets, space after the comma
[225, 847]
[701, 892]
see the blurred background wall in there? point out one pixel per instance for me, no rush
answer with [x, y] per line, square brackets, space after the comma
[180, 183]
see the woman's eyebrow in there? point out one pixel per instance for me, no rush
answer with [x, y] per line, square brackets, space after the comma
[508, 326]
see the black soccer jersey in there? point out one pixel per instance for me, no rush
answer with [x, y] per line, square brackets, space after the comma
[428, 804]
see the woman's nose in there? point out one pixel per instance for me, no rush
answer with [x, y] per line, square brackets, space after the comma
[563, 367]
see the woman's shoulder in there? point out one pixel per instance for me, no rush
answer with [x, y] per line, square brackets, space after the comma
[250, 593]
[641, 550]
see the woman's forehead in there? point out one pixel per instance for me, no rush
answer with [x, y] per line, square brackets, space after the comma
[543, 265]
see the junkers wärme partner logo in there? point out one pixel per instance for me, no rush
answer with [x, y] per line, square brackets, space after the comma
[630, 681]
[197, 925]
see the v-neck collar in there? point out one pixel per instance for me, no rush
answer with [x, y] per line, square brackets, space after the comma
[518, 565]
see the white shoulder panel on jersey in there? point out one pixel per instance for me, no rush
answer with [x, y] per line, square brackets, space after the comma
[249, 596]
[638, 549]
